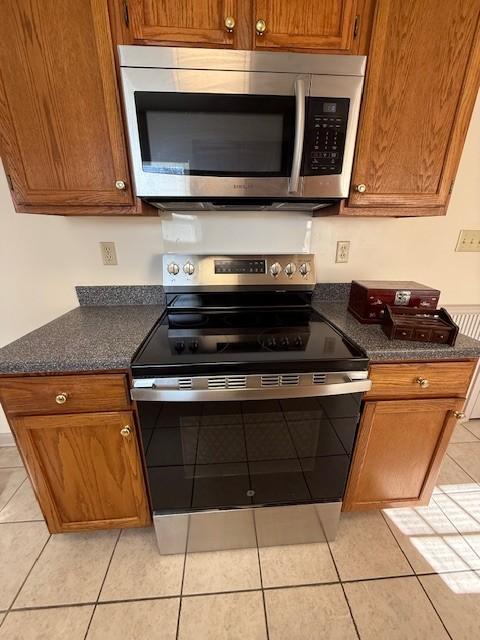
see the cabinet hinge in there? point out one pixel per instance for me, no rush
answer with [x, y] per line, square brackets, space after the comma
[126, 17]
[356, 26]
[10, 183]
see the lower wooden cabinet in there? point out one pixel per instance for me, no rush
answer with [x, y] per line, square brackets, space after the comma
[86, 469]
[399, 450]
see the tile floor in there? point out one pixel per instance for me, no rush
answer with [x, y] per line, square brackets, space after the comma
[402, 574]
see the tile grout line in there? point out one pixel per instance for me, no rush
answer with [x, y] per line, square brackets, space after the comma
[415, 574]
[22, 521]
[474, 551]
[261, 580]
[181, 590]
[343, 589]
[217, 593]
[464, 470]
[16, 490]
[433, 607]
[464, 424]
[103, 582]
[26, 578]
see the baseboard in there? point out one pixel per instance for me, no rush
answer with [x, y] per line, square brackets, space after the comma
[6, 440]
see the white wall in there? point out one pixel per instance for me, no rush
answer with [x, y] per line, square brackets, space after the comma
[42, 258]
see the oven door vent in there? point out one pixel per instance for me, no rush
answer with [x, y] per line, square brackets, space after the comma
[319, 378]
[227, 382]
[286, 380]
[184, 383]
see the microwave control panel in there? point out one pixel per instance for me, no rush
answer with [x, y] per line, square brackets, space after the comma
[325, 131]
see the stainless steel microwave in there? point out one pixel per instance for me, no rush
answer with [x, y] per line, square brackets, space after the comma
[214, 128]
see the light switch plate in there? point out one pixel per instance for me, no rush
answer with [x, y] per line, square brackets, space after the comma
[109, 253]
[468, 240]
[343, 249]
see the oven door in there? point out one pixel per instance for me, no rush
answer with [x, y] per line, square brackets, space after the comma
[215, 134]
[212, 465]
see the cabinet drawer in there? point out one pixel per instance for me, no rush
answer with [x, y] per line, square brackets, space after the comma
[64, 394]
[420, 380]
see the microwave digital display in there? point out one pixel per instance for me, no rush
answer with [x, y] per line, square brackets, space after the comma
[329, 107]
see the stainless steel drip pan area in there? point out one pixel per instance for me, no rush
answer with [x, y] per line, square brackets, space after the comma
[219, 530]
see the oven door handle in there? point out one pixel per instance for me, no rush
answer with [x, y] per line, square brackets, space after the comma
[156, 394]
[299, 134]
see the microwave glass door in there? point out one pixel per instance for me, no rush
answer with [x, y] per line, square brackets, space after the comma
[202, 134]
[215, 134]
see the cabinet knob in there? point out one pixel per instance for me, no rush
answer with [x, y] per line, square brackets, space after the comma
[360, 188]
[260, 27]
[126, 431]
[423, 383]
[459, 415]
[230, 24]
[61, 398]
[120, 185]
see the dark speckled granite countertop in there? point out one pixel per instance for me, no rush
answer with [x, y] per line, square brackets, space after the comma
[105, 331]
[89, 338]
[377, 346]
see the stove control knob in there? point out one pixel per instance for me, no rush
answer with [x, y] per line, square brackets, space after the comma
[179, 347]
[275, 269]
[189, 268]
[173, 268]
[299, 341]
[305, 269]
[193, 346]
[290, 269]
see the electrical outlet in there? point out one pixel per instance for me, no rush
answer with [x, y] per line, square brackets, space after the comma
[109, 253]
[468, 240]
[343, 249]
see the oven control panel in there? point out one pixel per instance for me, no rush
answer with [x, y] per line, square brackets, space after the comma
[325, 131]
[270, 271]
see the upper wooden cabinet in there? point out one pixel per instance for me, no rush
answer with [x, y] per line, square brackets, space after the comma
[303, 24]
[290, 25]
[202, 22]
[61, 136]
[422, 80]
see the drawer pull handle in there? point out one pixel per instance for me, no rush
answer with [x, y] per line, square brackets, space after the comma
[459, 415]
[423, 382]
[125, 432]
[61, 398]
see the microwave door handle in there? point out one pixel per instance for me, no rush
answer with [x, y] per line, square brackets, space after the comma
[299, 134]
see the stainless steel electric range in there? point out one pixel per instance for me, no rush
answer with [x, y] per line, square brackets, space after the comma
[249, 403]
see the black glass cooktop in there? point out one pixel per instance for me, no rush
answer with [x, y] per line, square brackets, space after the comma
[209, 340]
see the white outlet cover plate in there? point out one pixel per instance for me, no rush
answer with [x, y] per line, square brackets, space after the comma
[343, 250]
[468, 240]
[109, 253]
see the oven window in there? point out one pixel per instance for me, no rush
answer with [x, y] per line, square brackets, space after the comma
[215, 134]
[238, 454]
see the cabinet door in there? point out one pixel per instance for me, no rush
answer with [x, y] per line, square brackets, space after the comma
[187, 22]
[399, 448]
[303, 24]
[422, 79]
[61, 130]
[85, 473]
